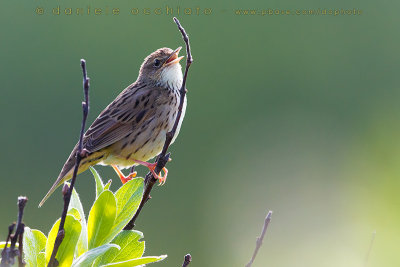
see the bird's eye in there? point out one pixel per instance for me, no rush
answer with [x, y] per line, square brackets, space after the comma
[157, 62]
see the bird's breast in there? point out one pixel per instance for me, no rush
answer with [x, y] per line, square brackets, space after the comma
[147, 139]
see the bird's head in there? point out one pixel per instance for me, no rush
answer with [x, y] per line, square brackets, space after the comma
[162, 67]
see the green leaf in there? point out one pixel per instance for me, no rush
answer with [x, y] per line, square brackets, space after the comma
[101, 219]
[34, 242]
[128, 198]
[65, 253]
[99, 182]
[136, 262]
[131, 248]
[75, 213]
[91, 255]
[75, 203]
[41, 259]
[108, 184]
[3, 244]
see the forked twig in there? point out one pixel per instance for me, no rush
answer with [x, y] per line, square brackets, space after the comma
[260, 238]
[8, 254]
[67, 191]
[370, 248]
[163, 157]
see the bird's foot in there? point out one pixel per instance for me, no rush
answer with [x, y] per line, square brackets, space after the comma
[124, 178]
[152, 167]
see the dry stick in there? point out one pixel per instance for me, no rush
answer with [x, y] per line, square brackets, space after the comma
[21, 261]
[8, 254]
[260, 238]
[5, 254]
[163, 157]
[81, 153]
[188, 259]
[19, 233]
[370, 248]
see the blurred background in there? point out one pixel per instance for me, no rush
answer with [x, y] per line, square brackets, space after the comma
[292, 113]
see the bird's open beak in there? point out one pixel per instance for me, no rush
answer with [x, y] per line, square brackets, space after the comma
[173, 58]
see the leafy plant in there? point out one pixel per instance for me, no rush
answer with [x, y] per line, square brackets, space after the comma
[99, 241]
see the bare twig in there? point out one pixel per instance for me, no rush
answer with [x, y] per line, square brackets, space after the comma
[260, 238]
[6, 258]
[188, 259]
[21, 261]
[163, 157]
[370, 247]
[8, 254]
[81, 153]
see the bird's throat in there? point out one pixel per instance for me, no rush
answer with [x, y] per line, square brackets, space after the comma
[171, 77]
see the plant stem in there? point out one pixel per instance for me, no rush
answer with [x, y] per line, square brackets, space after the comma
[8, 254]
[163, 157]
[260, 238]
[81, 153]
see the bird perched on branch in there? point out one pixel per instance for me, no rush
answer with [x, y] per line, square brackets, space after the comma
[132, 129]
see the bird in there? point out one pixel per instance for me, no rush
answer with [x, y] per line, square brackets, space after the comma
[132, 129]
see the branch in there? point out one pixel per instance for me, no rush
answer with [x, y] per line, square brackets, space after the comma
[163, 157]
[6, 258]
[370, 247]
[8, 254]
[260, 238]
[188, 259]
[81, 153]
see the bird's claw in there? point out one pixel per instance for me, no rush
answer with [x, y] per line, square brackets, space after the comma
[124, 178]
[128, 178]
[161, 179]
[152, 167]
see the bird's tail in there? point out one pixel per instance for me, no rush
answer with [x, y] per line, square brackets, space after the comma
[65, 175]
[68, 169]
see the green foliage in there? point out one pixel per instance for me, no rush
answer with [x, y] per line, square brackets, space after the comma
[99, 182]
[99, 242]
[88, 258]
[136, 262]
[65, 253]
[129, 244]
[34, 242]
[76, 204]
[101, 219]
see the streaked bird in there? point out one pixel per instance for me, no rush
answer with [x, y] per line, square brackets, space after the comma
[132, 129]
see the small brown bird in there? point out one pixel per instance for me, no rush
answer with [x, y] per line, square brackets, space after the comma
[132, 129]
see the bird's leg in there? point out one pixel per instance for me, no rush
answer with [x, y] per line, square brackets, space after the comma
[133, 169]
[124, 178]
[152, 167]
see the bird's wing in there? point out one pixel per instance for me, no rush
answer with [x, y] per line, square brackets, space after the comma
[134, 107]
[125, 114]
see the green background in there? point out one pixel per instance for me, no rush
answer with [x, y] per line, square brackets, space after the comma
[297, 114]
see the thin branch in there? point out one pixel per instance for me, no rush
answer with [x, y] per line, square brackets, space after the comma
[188, 259]
[260, 238]
[81, 153]
[8, 254]
[21, 261]
[19, 232]
[370, 247]
[5, 254]
[163, 157]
